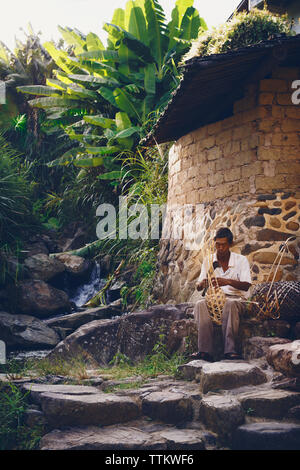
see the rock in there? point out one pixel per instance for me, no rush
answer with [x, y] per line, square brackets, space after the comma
[272, 404]
[258, 346]
[168, 407]
[294, 413]
[183, 439]
[288, 384]
[136, 435]
[256, 221]
[226, 375]
[34, 418]
[114, 292]
[71, 405]
[35, 248]
[266, 197]
[285, 358]
[268, 257]
[109, 438]
[221, 414]
[296, 330]
[41, 267]
[133, 335]
[192, 370]
[37, 298]
[292, 226]
[24, 331]
[72, 321]
[267, 436]
[267, 234]
[277, 328]
[105, 264]
[182, 332]
[78, 267]
[74, 236]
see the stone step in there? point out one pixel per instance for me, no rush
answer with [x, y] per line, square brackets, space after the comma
[271, 404]
[222, 414]
[223, 375]
[76, 405]
[168, 407]
[270, 435]
[135, 435]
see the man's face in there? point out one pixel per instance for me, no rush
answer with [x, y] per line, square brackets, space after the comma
[222, 247]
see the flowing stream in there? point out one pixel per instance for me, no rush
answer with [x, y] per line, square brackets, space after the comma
[84, 292]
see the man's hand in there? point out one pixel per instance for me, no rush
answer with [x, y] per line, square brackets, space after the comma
[202, 285]
[220, 281]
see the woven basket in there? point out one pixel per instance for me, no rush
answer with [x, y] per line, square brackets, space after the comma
[288, 299]
[215, 301]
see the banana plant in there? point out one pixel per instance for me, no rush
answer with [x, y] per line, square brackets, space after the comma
[106, 94]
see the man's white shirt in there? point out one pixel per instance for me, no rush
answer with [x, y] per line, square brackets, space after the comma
[238, 269]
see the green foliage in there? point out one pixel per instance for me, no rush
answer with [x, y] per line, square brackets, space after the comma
[15, 192]
[14, 434]
[244, 29]
[156, 363]
[120, 359]
[106, 94]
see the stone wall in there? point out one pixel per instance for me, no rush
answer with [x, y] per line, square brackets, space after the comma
[242, 172]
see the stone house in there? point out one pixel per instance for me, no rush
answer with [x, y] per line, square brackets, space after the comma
[235, 161]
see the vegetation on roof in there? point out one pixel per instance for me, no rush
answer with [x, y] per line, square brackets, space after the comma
[243, 30]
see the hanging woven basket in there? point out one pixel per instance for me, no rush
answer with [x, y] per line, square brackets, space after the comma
[215, 301]
[282, 301]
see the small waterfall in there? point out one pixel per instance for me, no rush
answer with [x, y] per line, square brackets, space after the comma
[84, 292]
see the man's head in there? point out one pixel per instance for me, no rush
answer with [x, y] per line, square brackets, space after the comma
[223, 240]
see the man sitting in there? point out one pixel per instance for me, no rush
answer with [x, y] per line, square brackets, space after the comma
[232, 275]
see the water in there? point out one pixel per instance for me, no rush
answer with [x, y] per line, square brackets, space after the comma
[84, 292]
[22, 356]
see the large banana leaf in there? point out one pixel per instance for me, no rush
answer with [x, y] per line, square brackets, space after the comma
[125, 102]
[93, 43]
[73, 39]
[135, 22]
[140, 49]
[150, 79]
[102, 150]
[112, 175]
[127, 132]
[61, 59]
[190, 24]
[101, 121]
[122, 121]
[175, 23]
[67, 158]
[81, 92]
[156, 30]
[58, 84]
[88, 162]
[99, 54]
[39, 90]
[50, 102]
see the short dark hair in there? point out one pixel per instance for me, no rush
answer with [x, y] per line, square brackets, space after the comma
[224, 232]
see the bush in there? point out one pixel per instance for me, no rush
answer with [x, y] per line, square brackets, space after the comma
[14, 434]
[244, 29]
[15, 191]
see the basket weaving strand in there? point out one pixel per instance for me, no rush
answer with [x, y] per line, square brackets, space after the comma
[215, 297]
